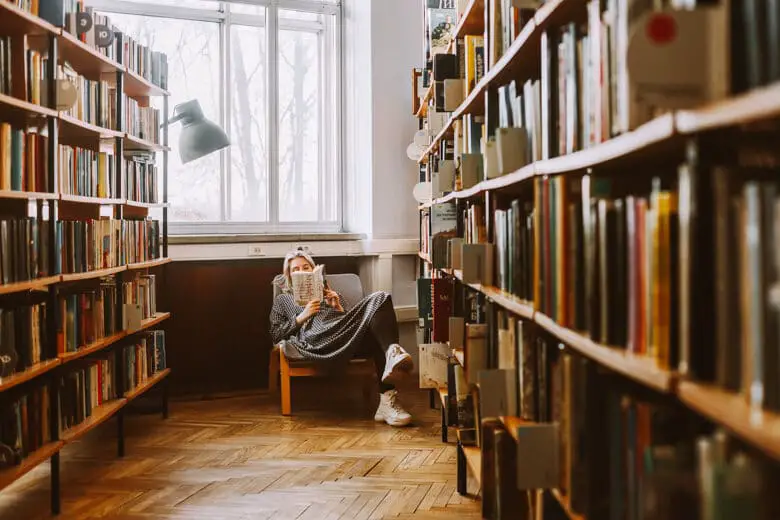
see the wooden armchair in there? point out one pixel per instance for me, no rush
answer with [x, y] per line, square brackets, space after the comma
[283, 369]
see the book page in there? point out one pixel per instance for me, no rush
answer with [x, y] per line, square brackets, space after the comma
[307, 286]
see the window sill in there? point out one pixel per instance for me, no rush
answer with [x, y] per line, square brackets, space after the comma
[241, 247]
[261, 237]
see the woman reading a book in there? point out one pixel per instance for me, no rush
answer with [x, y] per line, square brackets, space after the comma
[331, 330]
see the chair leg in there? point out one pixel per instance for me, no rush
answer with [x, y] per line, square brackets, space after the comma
[273, 370]
[285, 386]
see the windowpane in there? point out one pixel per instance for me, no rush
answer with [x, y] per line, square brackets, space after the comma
[211, 5]
[248, 155]
[193, 73]
[304, 175]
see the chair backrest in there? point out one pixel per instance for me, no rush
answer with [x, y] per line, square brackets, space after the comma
[348, 285]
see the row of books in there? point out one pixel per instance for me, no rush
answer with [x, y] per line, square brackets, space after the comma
[24, 250]
[142, 122]
[22, 338]
[88, 173]
[149, 64]
[95, 100]
[730, 270]
[123, 49]
[514, 238]
[23, 159]
[24, 425]
[5, 66]
[607, 264]
[141, 177]
[83, 390]
[88, 245]
[142, 291]
[88, 316]
[144, 359]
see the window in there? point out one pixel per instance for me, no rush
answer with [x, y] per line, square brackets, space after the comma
[269, 73]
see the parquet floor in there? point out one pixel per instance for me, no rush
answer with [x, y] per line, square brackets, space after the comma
[238, 458]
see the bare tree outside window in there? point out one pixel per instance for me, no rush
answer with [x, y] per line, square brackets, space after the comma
[220, 58]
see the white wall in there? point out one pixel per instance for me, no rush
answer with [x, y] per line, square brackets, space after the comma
[358, 118]
[396, 40]
[382, 45]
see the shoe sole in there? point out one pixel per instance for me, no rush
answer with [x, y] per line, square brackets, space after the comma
[396, 424]
[400, 369]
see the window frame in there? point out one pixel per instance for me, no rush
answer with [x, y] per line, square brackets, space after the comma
[332, 148]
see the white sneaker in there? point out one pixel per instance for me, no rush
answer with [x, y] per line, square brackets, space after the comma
[390, 410]
[397, 363]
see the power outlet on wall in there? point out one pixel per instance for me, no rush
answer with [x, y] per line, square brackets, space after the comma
[255, 250]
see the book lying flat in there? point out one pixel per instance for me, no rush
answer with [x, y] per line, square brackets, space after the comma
[308, 285]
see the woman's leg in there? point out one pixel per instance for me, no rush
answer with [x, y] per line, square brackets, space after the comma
[384, 325]
[371, 348]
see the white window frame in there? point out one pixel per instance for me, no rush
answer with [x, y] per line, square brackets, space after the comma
[331, 157]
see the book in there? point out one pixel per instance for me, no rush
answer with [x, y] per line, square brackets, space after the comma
[434, 362]
[308, 285]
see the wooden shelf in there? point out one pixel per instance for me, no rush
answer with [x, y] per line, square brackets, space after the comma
[15, 21]
[512, 424]
[148, 205]
[138, 86]
[30, 285]
[523, 174]
[73, 127]
[474, 461]
[26, 375]
[644, 141]
[508, 301]
[136, 143]
[423, 110]
[146, 385]
[153, 322]
[84, 59]
[83, 199]
[639, 368]
[75, 277]
[760, 428]
[99, 415]
[92, 347]
[149, 264]
[473, 20]
[563, 500]
[23, 110]
[758, 104]
[11, 474]
[110, 340]
[28, 195]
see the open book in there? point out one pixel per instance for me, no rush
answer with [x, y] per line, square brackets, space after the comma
[308, 285]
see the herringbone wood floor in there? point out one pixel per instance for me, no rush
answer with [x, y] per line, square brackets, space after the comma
[237, 458]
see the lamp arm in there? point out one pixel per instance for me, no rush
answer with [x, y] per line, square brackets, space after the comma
[177, 117]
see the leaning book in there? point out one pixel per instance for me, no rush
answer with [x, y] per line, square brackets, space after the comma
[308, 285]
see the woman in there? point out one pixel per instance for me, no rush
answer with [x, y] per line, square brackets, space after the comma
[335, 330]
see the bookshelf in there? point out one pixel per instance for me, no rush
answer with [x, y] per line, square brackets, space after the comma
[79, 312]
[571, 297]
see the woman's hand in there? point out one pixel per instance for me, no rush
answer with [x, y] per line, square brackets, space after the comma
[332, 297]
[311, 309]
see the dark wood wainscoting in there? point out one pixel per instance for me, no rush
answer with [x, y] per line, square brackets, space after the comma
[217, 340]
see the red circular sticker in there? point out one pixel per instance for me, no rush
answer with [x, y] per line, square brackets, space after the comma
[661, 28]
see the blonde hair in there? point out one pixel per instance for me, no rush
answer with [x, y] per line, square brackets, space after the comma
[296, 253]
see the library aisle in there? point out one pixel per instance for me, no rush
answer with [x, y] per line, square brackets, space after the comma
[236, 458]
